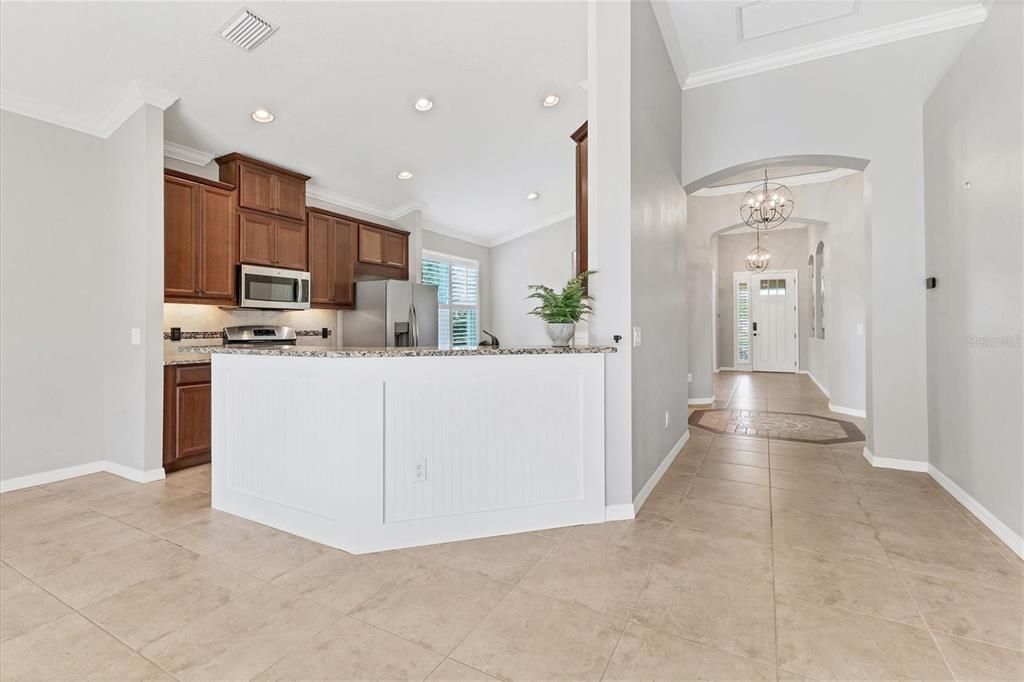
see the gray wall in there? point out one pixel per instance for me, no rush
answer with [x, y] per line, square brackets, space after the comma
[658, 266]
[433, 241]
[76, 274]
[540, 257]
[789, 252]
[973, 132]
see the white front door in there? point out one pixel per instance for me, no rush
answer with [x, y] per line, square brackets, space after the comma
[773, 328]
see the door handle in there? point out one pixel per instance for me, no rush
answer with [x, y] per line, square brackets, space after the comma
[415, 326]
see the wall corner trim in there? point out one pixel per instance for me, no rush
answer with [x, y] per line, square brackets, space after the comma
[892, 463]
[1001, 530]
[619, 512]
[853, 412]
[54, 475]
[645, 492]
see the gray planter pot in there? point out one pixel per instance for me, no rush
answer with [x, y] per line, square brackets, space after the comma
[561, 333]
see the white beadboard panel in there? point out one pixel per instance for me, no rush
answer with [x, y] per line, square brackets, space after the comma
[326, 448]
[285, 448]
[486, 442]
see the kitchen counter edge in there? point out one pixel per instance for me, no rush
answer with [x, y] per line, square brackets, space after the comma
[320, 352]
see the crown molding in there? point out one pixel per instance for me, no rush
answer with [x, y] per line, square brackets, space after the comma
[557, 218]
[792, 181]
[914, 28]
[345, 201]
[456, 234]
[127, 103]
[406, 208]
[196, 157]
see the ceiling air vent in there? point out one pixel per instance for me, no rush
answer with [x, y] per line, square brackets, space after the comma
[246, 30]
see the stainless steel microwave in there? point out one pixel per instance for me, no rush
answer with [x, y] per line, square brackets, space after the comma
[272, 288]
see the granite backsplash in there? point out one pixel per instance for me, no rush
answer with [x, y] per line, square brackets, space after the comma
[202, 324]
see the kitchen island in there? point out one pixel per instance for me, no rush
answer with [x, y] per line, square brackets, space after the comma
[371, 449]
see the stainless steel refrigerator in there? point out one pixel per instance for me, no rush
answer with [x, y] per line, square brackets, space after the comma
[391, 313]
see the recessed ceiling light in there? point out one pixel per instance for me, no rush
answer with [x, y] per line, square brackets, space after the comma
[262, 116]
[404, 175]
[424, 104]
[550, 101]
[532, 195]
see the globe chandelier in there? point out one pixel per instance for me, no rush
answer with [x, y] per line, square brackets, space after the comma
[766, 205]
[758, 259]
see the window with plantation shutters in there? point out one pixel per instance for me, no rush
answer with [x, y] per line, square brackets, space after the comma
[742, 289]
[458, 297]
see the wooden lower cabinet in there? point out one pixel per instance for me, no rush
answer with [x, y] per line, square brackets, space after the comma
[186, 416]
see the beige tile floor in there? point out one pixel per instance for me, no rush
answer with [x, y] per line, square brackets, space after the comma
[751, 560]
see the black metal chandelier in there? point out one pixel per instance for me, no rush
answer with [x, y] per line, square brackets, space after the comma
[766, 205]
[758, 259]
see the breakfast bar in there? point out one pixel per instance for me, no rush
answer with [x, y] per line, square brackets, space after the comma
[383, 448]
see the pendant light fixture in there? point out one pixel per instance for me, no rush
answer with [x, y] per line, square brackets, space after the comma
[766, 205]
[758, 259]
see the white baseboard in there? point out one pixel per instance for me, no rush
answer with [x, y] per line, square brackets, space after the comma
[1001, 530]
[726, 369]
[701, 401]
[846, 410]
[892, 463]
[648, 488]
[619, 512]
[817, 383]
[54, 475]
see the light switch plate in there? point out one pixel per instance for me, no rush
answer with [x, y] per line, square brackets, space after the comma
[136, 336]
[636, 337]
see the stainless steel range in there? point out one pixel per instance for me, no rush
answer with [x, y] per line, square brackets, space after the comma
[259, 336]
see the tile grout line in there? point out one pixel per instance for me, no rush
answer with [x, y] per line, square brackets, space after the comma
[906, 589]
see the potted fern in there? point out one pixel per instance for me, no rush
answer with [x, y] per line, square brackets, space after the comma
[562, 310]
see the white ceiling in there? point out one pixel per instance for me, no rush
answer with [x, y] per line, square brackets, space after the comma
[341, 79]
[714, 40]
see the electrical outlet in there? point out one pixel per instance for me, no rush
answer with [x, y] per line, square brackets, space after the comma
[689, 378]
[420, 471]
[667, 418]
[636, 337]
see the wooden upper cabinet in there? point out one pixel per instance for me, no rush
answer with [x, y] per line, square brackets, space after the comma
[217, 243]
[382, 252]
[255, 238]
[180, 232]
[291, 196]
[265, 240]
[200, 240]
[396, 249]
[255, 188]
[321, 240]
[264, 187]
[332, 255]
[290, 245]
[371, 245]
[582, 234]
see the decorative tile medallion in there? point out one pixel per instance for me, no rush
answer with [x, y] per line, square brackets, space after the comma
[794, 426]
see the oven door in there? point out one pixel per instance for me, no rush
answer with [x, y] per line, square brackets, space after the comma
[273, 288]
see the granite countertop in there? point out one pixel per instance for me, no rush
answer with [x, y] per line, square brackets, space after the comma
[186, 356]
[415, 352]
